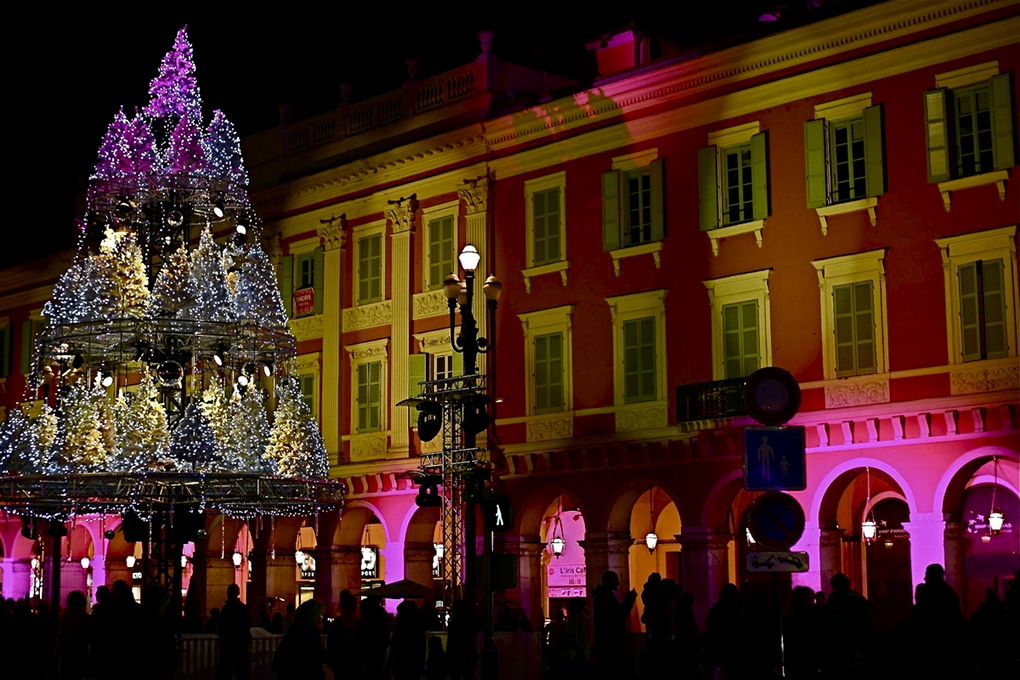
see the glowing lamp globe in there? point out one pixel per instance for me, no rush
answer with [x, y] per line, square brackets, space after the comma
[995, 521]
[869, 531]
[130, 561]
[236, 558]
[85, 562]
[557, 545]
[651, 540]
[469, 258]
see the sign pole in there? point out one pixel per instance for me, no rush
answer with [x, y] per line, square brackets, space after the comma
[779, 610]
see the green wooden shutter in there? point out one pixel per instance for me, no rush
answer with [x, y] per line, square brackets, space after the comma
[541, 373]
[631, 350]
[539, 227]
[458, 364]
[648, 377]
[843, 328]
[376, 267]
[969, 321]
[26, 345]
[864, 328]
[731, 341]
[5, 351]
[318, 275]
[874, 173]
[556, 372]
[363, 397]
[1002, 120]
[994, 303]
[417, 373]
[815, 163]
[937, 133]
[287, 283]
[708, 187]
[749, 337]
[760, 176]
[611, 210]
[658, 200]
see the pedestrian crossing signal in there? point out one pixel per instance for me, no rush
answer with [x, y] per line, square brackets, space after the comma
[499, 512]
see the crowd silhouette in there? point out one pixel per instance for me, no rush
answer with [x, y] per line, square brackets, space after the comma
[824, 635]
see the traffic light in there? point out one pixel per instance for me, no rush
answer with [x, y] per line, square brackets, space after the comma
[499, 512]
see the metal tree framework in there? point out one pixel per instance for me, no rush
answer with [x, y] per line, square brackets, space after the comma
[160, 178]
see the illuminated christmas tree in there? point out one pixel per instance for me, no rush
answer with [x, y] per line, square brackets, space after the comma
[208, 281]
[193, 443]
[171, 291]
[74, 296]
[174, 92]
[295, 443]
[19, 449]
[258, 296]
[82, 434]
[222, 149]
[119, 277]
[247, 415]
[142, 429]
[184, 155]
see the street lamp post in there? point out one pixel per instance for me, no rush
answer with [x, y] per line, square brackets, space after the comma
[461, 402]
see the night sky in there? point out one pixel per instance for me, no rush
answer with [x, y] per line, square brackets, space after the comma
[70, 70]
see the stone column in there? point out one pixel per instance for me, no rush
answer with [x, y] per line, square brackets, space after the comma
[401, 216]
[927, 543]
[418, 562]
[823, 546]
[336, 568]
[219, 573]
[610, 550]
[17, 576]
[529, 551]
[332, 234]
[954, 551]
[705, 560]
[475, 195]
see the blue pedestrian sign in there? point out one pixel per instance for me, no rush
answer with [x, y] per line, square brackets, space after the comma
[774, 459]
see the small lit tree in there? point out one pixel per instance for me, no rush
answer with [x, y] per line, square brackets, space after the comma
[295, 443]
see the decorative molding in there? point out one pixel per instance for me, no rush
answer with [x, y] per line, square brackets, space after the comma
[434, 342]
[562, 267]
[732, 136]
[641, 417]
[985, 376]
[636, 160]
[544, 428]
[308, 362]
[475, 195]
[307, 327]
[368, 316]
[968, 75]
[430, 303]
[368, 446]
[366, 350]
[998, 178]
[843, 108]
[655, 247]
[857, 391]
[716, 235]
[401, 213]
[827, 211]
[333, 232]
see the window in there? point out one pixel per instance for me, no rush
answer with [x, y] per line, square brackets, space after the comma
[632, 201]
[548, 338]
[307, 367]
[741, 319]
[639, 347]
[969, 123]
[369, 387]
[843, 152]
[301, 277]
[369, 397]
[426, 366]
[308, 391]
[545, 213]
[733, 177]
[370, 268]
[854, 334]
[440, 243]
[981, 289]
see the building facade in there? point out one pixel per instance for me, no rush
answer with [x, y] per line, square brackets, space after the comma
[839, 199]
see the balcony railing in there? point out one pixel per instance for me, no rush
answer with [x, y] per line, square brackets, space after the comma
[710, 400]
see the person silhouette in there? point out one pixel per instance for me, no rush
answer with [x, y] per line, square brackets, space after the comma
[765, 456]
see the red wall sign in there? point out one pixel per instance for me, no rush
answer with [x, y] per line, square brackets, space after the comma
[304, 301]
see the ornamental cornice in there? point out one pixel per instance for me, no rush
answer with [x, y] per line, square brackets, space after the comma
[641, 418]
[430, 303]
[368, 316]
[307, 327]
[545, 428]
[401, 212]
[333, 231]
[857, 392]
[306, 362]
[367, 350]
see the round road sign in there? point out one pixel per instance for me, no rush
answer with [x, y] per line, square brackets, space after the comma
[771, 395]
[776, 521]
